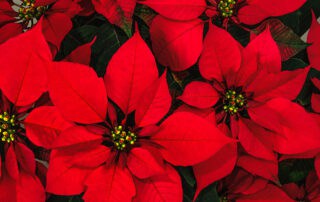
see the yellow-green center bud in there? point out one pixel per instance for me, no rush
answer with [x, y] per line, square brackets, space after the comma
[233, 102]
[7, 127]
[121, 138]
[28, 11]
[226, 7]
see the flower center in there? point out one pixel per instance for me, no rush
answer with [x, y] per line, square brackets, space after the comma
[28, 12]
[226, 7]
[121, 138]
[233, 102]
[7, 127]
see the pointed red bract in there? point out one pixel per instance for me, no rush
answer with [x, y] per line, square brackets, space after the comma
[182, 134]
[81, 54]
[11, 163]
[70, 88]
[117, 12]
[256, 10]
[29, 189]
[200, 94]
[24, 79]
[213, 63]
[143, 164]
[123, 78]
[176, 44]
[44, 124]
[313, 38]
[177, 9]
[62, 172]
[216, 167]
[296, 122]
[110, 183]
[154, 103]
[166, 187]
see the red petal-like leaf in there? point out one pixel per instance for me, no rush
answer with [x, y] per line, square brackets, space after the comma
[177, 9]
[285, 84]
[256, 10]
[221, 55]
[63, 178]
[288, 42]
[143, 164]
[127, 79]
[7, 187]
[29, 188]
[263, 168]
[71, 90]
[199, 94]
[296, 123]
[249, 138]
[270, 193]
[218, 166]
[117, 12]
[154, 103]
[44, 124]
[11, 163]
[183, 133]
[110, 184]
[91, 157]
[9, 30]
[166, 187]
[313, 38]
[25, 158]
[23, 77]
[74, 136]
[81, 54]
[176, 44]
[55, 28]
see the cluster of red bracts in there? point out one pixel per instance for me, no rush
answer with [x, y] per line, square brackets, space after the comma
[116, 139]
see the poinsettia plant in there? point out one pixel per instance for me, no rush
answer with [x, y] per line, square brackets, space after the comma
[149, 100]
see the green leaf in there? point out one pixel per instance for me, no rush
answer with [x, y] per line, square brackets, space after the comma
[109, 39]
[209, 194]
[289, 43]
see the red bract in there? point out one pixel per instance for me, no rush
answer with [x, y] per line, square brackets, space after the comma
[176, 44]
[22, 81]
[242, 186]
[251, 12]
[247, 89]
[17, 18]
[118, 12]
[309, 191]
[314, 49]
[116, 151]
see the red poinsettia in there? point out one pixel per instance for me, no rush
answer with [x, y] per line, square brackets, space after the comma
[115, 151]
[242, 186]
[247, 89]
[16, 18]
[313, 38]
[309, 191]
[250, 12]
[22, 82]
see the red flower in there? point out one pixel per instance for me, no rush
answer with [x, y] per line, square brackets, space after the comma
[116, 151]
[22, 81]
[250, 12]
[247, 89]
[17, 18]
